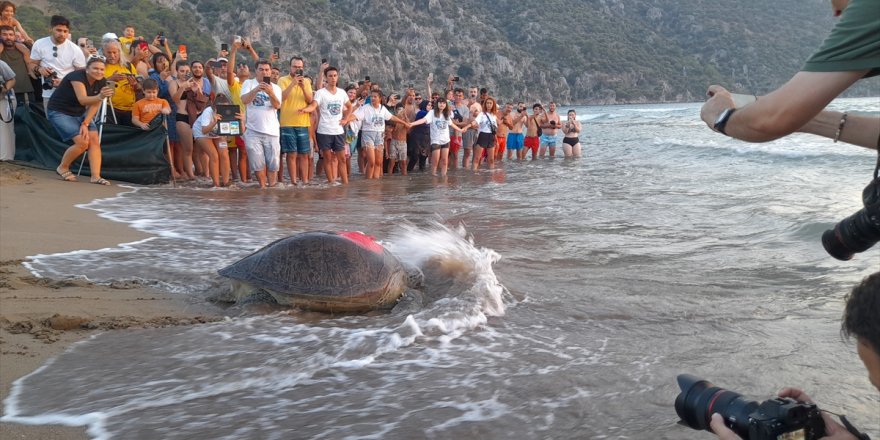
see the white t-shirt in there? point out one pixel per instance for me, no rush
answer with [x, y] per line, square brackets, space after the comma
[204, 120]
[373, 119]
[483, 120]
[261, 116]
[331, 106]
[439, 128]
[67, 58]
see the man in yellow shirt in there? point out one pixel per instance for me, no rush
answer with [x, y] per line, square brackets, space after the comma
[296, 94]
[123, 76]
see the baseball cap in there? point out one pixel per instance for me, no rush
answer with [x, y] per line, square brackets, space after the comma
[109, 36]
[222, 60]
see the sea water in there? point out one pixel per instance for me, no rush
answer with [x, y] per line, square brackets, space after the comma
[579, 290]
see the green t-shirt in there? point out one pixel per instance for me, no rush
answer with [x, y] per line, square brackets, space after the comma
[854, 43]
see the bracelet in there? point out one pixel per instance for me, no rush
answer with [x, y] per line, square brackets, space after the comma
[840, 127]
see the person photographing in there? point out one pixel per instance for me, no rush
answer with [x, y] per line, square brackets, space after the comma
[851, 52]
[72, 109]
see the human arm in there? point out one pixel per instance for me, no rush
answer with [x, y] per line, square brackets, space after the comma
[24, 35]
[429, 81]
[324, 66]
[208, 128]
[83, 97]
[230, 66]
[857, 129]
[782, 111]
[456, 127]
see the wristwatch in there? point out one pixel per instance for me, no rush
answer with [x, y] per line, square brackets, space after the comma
[722, 120]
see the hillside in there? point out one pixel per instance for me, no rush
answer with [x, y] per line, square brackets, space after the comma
[572, 51]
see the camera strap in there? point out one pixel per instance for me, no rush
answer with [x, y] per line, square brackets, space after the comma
[853, 430]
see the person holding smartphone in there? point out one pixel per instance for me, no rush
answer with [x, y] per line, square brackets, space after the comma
[263, 130]
[296, 94]
[123, 76]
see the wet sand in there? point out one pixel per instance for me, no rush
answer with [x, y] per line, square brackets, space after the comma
[41, 317]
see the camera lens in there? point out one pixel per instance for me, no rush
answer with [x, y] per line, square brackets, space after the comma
[859, 231]
[699, 399]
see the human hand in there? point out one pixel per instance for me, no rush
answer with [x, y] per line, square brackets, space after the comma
[837, 6]
[431, 78]
[106, 92]
[721, 430]
[217, 118]
[236, 43]
[719, 100]
[224, 53]
[117, 77]
[84, 130]
[239, 116]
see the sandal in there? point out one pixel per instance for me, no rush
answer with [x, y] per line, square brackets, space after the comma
[103, 182]
[66, 176]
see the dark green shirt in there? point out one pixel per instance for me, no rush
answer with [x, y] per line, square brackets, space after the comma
[854, 43]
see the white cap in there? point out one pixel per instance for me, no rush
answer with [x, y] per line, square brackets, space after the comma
[109, 36]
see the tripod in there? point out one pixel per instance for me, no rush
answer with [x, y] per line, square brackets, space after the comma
[102, 119]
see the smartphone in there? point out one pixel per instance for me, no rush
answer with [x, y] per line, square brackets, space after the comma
[236, 39]
[455, 78]
[188, 76]
[161, 39]
[224, 46]
[267, 79]
[367, 78]
[181, 48]
[298, 72]
[323, 60]
[277, 51]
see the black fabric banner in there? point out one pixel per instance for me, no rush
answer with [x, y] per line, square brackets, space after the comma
[128, 154]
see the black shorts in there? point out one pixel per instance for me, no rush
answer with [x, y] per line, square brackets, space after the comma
[486, 140]
[335, 142]
[435, 147]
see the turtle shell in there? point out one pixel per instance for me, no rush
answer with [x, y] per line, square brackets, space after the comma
[324, 271]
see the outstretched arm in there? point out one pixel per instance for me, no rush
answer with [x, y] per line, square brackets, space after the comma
[781, 112]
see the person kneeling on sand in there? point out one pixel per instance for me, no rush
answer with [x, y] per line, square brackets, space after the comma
[71, 111]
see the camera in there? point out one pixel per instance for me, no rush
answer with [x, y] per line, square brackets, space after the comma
[456, 79]
[48, 81]
[772, 419]
[858, 232]
[298, 72]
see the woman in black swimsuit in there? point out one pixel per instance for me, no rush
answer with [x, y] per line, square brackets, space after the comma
[571, 143]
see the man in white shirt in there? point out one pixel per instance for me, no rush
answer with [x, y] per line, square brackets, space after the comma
[334, 106]
[56, 56]
[262, 134]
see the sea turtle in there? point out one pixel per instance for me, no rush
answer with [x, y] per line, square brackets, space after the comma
[328, 272]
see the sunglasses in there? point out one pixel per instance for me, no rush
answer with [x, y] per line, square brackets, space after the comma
[97, 57]
[55, 51]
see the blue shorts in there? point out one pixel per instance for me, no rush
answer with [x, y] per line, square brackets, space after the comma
[515, 141]
[295, 140]
[548, 140]
[335, 142]
[68, 126]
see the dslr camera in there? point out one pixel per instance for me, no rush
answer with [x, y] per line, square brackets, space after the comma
[48, 81]
[773, 419]
[860, 231]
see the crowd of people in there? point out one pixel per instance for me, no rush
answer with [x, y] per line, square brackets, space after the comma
[310, 125]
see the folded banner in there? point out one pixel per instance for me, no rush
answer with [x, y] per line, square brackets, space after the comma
[128, 154]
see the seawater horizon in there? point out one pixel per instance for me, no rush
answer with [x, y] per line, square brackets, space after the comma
[581, 289]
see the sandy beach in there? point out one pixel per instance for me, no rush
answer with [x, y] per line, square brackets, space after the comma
[40, 317]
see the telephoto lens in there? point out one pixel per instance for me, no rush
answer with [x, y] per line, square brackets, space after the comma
[772, 419]
[858, 232]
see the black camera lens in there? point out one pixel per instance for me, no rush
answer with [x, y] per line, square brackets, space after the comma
[858, 232]
[699, 399]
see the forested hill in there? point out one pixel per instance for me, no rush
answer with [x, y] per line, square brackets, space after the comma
[571, 51]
